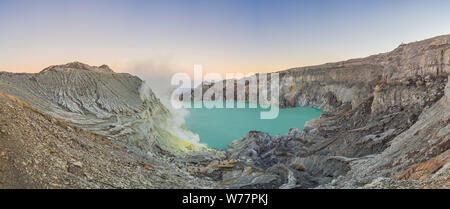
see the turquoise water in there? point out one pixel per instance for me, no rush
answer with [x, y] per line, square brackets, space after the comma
[217, 127]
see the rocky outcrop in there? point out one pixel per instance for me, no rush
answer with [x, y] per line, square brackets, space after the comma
[96, 99]
[383, 114]
[427, 138]
[39, 151]
[408, 68]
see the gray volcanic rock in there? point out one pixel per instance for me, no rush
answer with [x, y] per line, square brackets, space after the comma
[38, 151]
[75, 66]
[116, 105]
[353, 81]
[105, 130]
[427, 138]
[383, 114]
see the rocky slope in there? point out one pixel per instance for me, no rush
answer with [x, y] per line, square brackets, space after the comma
[383, 114]
[116, 105]
[39, 151]
[80, 126]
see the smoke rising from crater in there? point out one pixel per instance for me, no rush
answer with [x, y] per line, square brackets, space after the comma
[157, 74]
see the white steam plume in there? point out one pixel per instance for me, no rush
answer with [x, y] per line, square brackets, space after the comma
[157, 76]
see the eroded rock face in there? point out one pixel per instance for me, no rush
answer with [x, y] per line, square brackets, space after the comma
[415, 66]
[383, 114]
[288, 161]
[38, 151]
[427, 138]
[96, 99]
[349, 149]
[425, 170]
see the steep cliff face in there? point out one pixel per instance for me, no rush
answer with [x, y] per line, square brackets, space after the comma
[96, 99]
[412, 65]
[427, 140]
[383, 114]
[389, 77]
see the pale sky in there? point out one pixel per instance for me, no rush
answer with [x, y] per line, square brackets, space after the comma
[222, 35]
